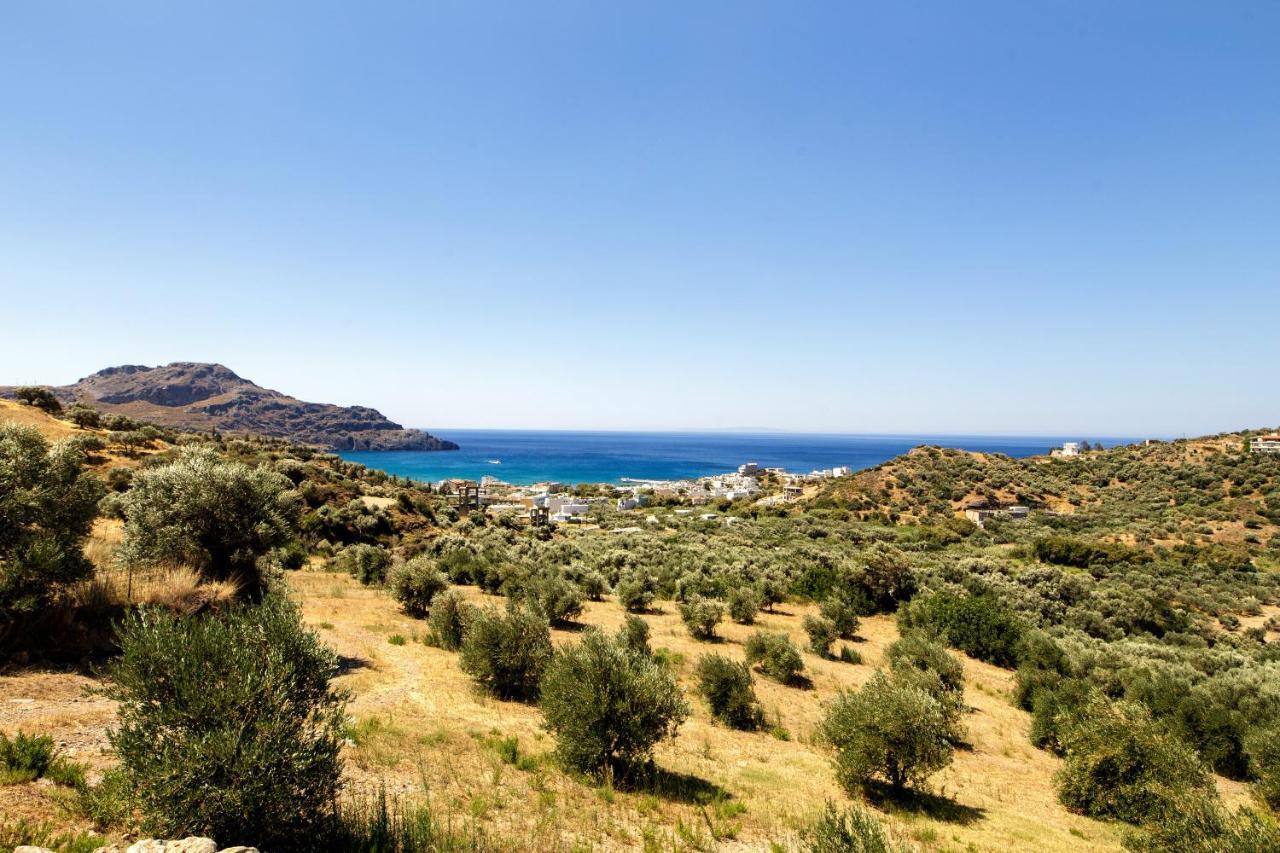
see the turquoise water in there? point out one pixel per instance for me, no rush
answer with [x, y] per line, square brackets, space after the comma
[529, 456]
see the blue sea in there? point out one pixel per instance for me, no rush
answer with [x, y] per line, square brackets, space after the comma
[530, 456]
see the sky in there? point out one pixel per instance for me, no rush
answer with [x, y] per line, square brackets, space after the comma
[930, 217]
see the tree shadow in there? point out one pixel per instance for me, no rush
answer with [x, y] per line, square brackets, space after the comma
[673, 786]
[944, 809]
[347, 663]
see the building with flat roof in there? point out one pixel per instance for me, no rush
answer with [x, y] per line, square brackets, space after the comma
[1265, 444]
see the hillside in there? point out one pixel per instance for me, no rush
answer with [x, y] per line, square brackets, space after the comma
[1208, 490]
[196, 396]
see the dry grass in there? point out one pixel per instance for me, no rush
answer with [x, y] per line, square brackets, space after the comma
[418, 720]
[55, 429]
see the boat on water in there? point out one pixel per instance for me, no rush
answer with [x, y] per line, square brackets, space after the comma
[494, 461]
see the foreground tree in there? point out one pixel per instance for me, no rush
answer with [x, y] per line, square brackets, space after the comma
[219, 517]
[608, 704]
[47, 506]
[892, 729]
[228, 726]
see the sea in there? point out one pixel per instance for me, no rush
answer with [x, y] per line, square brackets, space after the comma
[521, 457]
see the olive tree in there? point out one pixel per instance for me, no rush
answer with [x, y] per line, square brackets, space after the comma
[47, 507]
[219, 517]
[892, 729]
[608, 704]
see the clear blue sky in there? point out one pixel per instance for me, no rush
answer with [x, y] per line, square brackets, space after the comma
[1004, 217]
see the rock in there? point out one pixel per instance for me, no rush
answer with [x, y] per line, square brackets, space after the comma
[239, 850]
[108, 849]
[191, 845]
[27, 848]
[147, 845]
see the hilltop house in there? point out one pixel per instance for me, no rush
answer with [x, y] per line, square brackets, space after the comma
[1068, 448]
[980, 511]
[1266, 444]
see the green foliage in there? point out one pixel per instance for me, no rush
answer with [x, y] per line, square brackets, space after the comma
[607, 705]
[634, 634]
[548, 592]
[1120, 764]
[41, 398]
[506, 653]
[842, 614]
[217, 516]
[24, 757]
[976, 624]
[775, 655]
[636, 592]
[415, 584]
[368, 564]
[915, 657]
[850, 830]
[387, 825]
[891, 728]
[47, 507]
[701, 616]
[1263, 748]
[448, 620]
[727, 686]
[822, 633]
[84, 416]
[1195, 822]
[228, 725]
[744, 603]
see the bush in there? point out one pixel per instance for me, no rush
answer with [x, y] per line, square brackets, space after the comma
[853, 830]
[218, 517]
[24, 757]
[822, 633]
[415, 584]
[506, 653]
[891, 728]
[727, 686]
[84, 417]
[775, 655]
[228, 726]
[637, 591]
[916, 655]
[1196, 822]
[41, 398]
[593, 585]
[608, 705]
[548, 593]
[1120, 764]
[448, 620]
[634, 634]
[744, 603]
[1263, 748]
[701, 616]
[842, 614]
[366, 563]
[979, 625]
[47, 507]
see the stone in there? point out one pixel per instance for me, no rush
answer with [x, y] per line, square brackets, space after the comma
[239, 849]
[27, 848]
[191, 845]
[146, 845]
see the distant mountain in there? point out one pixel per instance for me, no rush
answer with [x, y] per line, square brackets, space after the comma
[193, 395]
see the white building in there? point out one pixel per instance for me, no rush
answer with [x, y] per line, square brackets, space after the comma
[750, 469]
[1068, 448]
[1266, 444]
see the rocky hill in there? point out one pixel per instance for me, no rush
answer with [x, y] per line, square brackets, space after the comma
[192, 395]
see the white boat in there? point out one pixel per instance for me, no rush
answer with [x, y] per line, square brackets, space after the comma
[494, 461]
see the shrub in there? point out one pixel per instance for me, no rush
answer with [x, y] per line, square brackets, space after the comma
[47, 507]
[593, 585]
[634, 634]
[219, 517]
[41, 398]
[228, 725]
[1263, 748]
[891, 728]
[842, 614]
[548, 593]
[448, 620]
[84, 417]
[608, 705]
[775, 655]
[366, 563]
[24, 757]
[701, 616]
[852, 830]
[744, 603]
[1196, 822]
[976, 624]
[415, 584]
[822, 633]
[728, 688]
[917, 655]
[637, 591]
[506, 653]
[1121, 764]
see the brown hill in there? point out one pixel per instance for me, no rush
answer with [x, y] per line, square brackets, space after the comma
[193, 395]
